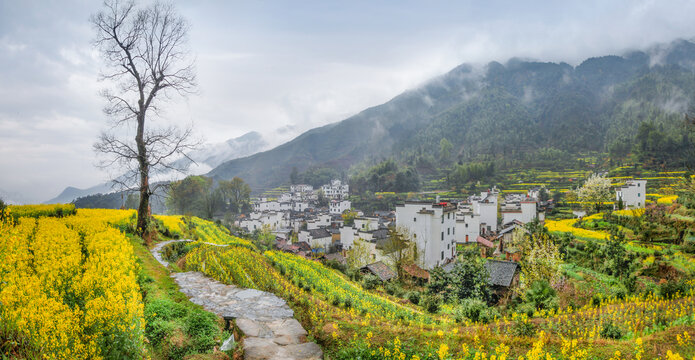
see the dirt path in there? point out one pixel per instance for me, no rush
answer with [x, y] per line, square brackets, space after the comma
[268, 323]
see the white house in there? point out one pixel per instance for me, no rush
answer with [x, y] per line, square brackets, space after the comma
[366, 223]
[266, 205]
[347, 237]
[467, 226]
[285, 198]
[320, 221]
[486, 207]
[633, 193]
[339, 206]
[300, 206]
[336, 190]
[476, 217]
[301, 188]
[256, 220]
[433, 227]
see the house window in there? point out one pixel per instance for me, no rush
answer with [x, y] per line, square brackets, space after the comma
[448, 246]
[414, 219]
[442, 235]
[442, 218]
[442, 255]
[453, 230]
[638, 194]
[448, 231]
[448, 216]
[466, 226]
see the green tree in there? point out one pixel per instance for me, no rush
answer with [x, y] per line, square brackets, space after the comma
[236, 193]
[210, 199]
[469, 278]
[445, 148]
[184, 195]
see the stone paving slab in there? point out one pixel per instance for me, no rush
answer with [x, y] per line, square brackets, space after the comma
[270, 329]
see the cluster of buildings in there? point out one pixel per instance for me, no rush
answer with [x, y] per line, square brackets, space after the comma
[298, 212]
[486, 220]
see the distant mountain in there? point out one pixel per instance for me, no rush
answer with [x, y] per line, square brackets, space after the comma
[211, 156]
[206, 158]
[71, 193]
[507, 109]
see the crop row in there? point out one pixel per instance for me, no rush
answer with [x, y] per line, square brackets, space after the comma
[69, 285]
[47, 210]
[339, 290]
[211, 233]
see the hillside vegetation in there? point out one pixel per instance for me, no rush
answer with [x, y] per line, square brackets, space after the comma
[516, 111]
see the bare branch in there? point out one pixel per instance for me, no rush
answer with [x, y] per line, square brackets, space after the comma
[146, 57]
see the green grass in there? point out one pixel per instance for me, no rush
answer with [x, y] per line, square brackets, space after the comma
[176, 328]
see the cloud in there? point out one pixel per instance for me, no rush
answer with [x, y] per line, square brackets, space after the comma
[286, 67]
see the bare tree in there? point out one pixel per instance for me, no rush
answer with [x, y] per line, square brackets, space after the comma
[147, 60]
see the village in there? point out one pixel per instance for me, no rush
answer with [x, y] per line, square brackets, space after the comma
[439, 230]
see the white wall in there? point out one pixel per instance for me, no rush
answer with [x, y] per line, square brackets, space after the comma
[467, 225]
[433, 230]
[634, 194]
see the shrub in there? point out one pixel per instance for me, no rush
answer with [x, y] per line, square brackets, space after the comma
[671, 289]
[336, 265]
[201, 327]
[414, 297]
[470, 309]
[165, 309]
[370, 282]
[394, 289]
[158, 330]
[526, 308]
[523, 327]
[542, 295]
[610, 331]
[430, 303]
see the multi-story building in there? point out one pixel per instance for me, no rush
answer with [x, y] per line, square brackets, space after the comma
[337, 207]
[336, 190]
[633, 194]
[476, 217]
[433, 228]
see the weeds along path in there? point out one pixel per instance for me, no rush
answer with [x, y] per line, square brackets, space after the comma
[268, 323]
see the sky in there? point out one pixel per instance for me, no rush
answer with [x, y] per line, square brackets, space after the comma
[281, 67]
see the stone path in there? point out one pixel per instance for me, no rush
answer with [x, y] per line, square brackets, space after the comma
[268, 323]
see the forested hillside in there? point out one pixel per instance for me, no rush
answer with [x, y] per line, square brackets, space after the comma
[631, 104]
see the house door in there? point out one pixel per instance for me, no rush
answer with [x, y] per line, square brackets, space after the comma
[466, 238]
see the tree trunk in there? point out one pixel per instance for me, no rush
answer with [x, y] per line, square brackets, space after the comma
[143, 209]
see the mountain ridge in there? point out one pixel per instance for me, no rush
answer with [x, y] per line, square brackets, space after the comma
[501, 109]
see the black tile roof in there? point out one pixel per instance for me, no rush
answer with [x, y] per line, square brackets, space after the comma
[319, 233]
[501, 272]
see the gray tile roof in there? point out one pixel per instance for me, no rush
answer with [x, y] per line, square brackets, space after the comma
[319, 233]
[501, 272]
[381, 270]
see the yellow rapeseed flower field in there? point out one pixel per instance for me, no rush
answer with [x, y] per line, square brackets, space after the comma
[69, 284]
